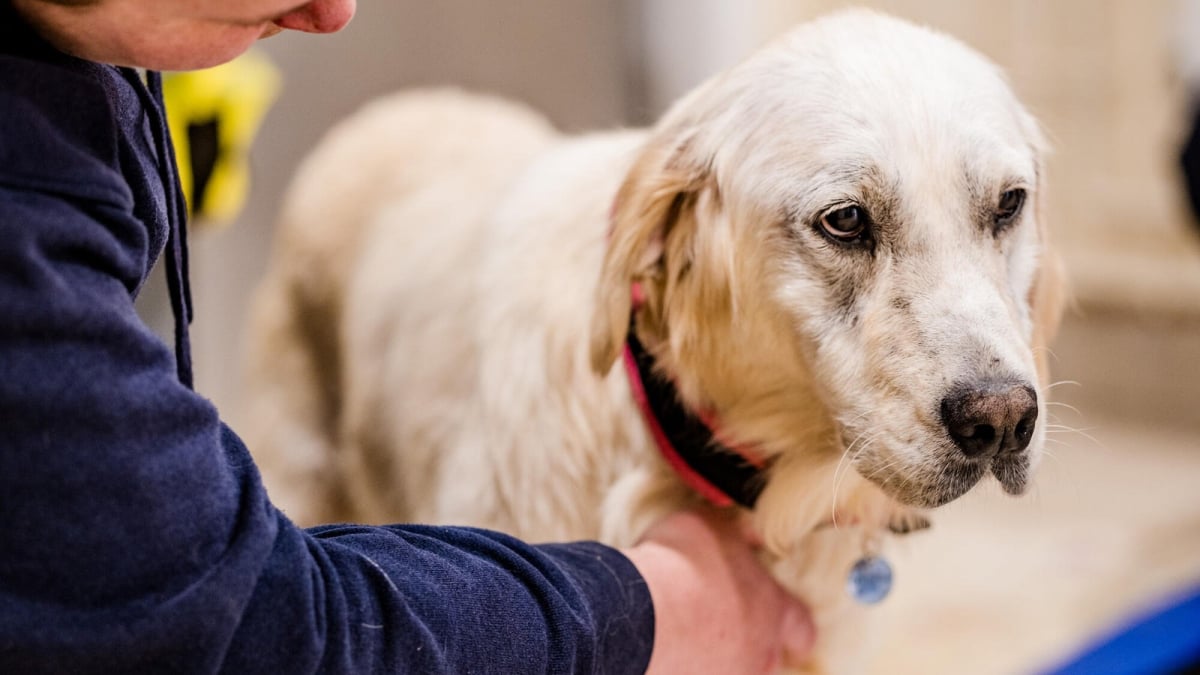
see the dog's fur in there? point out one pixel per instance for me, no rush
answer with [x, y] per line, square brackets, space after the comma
[451, 289]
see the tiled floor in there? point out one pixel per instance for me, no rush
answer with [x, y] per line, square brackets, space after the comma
[1003, 585]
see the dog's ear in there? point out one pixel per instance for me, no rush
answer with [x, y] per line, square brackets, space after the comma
[1049, 294]
[658, 190]
[1048, 297]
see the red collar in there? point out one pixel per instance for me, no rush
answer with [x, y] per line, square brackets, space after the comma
[724, 475]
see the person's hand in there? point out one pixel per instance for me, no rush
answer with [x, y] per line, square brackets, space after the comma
[716, 609]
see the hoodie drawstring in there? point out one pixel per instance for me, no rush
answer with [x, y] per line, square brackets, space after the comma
[178, 286]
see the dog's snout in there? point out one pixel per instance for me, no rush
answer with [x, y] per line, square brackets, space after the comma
[991, 417]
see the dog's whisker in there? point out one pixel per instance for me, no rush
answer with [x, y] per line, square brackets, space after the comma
[836, 471]
[1068, 406]
[1062, 382]
[1065, 426]
[866, 439]
[839, 474]
[867, 444]
[856, 419]
[849, 449]
[1067, 430]
[1057, 462]
[1048, 350]
[880, 469]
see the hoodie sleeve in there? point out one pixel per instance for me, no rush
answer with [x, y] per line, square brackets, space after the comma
[137, 536]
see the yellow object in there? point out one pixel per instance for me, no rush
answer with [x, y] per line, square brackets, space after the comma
[214, 115]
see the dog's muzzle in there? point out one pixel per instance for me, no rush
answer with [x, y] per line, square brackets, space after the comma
[992, 421]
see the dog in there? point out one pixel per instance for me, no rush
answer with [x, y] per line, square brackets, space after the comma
[830, 262]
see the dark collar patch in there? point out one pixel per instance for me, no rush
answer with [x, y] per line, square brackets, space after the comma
[719, 473]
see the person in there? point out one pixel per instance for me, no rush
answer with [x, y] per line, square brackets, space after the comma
[137, 536]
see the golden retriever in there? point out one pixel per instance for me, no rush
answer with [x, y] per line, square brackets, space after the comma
[832, 252]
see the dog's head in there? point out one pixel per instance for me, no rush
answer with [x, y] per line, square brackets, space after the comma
[851, 217]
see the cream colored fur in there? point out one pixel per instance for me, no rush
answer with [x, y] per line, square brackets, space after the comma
[436, 335]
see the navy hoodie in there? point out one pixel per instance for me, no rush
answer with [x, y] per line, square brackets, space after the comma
[135, 534]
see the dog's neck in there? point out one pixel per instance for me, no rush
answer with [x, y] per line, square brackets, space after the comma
[726, 473]
[722, 474]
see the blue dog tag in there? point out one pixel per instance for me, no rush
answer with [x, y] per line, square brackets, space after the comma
[870, 580]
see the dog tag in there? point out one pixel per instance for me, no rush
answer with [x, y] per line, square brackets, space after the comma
[870, 580]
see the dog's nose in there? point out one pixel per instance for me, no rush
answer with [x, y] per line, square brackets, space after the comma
[991, 417]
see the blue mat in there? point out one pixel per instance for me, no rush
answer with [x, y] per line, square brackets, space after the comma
[1160, 642]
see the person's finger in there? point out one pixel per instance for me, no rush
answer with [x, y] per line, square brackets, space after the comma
[799, 633]
[749, 532]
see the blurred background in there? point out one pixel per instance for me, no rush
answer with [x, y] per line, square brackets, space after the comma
[998, 585]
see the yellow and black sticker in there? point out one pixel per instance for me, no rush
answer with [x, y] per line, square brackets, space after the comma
[214, 115]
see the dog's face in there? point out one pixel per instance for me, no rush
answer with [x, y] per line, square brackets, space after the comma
[878, 186]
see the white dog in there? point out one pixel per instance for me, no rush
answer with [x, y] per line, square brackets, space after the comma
[825, 269]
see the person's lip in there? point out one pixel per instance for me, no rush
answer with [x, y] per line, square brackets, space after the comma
[269, 30]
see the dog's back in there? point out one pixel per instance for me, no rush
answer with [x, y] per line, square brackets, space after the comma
[405, 149]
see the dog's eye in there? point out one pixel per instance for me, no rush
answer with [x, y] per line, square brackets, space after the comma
[845, 224]
[1009, 206]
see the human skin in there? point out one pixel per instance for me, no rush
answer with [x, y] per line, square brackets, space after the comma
[175, 34]
[716, 608]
